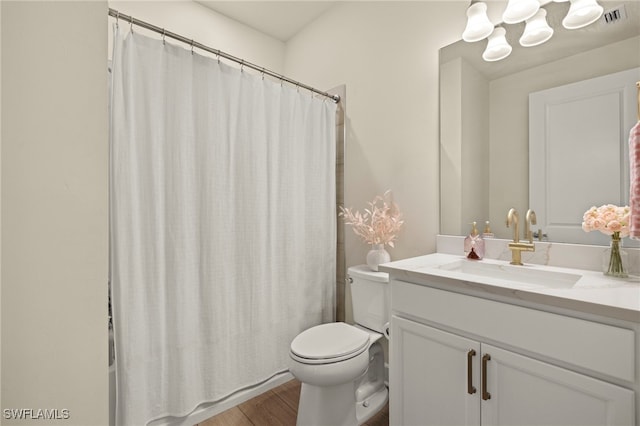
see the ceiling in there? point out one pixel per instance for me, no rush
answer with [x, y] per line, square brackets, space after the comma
[279, 19]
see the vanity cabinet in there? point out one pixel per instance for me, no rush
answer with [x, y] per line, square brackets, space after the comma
[462, 360]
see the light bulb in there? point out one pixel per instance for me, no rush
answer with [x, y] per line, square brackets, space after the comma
[520, 10]
[497, 46]
[582, 13]
[478, 24]
[537, 31]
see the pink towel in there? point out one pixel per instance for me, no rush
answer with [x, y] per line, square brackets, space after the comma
[634, 172]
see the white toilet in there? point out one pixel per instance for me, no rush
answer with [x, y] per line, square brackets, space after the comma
[341, 366]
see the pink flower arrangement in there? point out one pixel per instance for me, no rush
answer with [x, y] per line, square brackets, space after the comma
[379, 224]
[608, 219]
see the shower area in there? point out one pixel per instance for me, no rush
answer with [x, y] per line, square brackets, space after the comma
[225, 179]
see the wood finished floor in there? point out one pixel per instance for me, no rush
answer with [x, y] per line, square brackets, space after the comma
[277, 407]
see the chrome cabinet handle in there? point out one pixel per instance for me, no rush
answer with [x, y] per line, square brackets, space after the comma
[470, 388]
[485, 395]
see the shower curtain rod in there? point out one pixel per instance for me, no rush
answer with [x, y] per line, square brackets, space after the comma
[116, 14]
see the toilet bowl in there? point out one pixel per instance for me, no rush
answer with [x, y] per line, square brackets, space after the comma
[341, 366]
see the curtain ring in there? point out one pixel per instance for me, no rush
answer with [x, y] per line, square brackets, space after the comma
[192, 46]
[117, 18]
[218, 55]
[131, 25]
[262, 73]
[163, 35]
[242, 66]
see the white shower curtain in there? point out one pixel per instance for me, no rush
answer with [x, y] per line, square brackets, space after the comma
[223, 225]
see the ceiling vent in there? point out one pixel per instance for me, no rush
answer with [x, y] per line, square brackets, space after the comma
[615, 15]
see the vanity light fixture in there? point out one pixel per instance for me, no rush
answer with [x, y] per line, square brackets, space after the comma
[520, 10]
[582, 13]
[478, 24]
[537, 30]
[497, 46]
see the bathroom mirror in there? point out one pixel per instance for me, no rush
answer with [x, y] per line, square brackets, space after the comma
[484, 117]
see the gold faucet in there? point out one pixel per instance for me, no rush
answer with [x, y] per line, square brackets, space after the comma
[516, 246]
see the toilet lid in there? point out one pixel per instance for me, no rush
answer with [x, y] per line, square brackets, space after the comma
[327, 341]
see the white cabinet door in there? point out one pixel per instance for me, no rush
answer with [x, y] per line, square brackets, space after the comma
[429, 376]
[436, 379]
[525, 391]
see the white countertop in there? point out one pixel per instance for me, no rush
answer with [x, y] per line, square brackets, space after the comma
[592, 293]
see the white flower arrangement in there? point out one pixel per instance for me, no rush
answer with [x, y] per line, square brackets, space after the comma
[379, 224]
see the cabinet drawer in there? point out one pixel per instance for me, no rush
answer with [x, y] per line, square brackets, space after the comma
[602, 348]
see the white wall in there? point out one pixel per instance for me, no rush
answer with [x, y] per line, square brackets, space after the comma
[386, 53]
[54, 210]
[464, 138]
[451, 142]
[203, 25]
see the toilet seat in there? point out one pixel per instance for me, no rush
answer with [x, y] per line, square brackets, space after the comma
[329, 343]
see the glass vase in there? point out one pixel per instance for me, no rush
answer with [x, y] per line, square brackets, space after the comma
[376, 256]
[614, 261]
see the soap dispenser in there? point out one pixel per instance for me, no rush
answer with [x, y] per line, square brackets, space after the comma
[487, 230]
[474, 244]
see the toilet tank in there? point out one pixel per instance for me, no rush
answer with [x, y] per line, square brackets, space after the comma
[369, 297]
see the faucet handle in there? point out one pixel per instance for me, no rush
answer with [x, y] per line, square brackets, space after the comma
[540, 236]
[530, 220]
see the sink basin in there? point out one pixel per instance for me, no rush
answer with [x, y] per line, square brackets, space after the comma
[529, 276]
